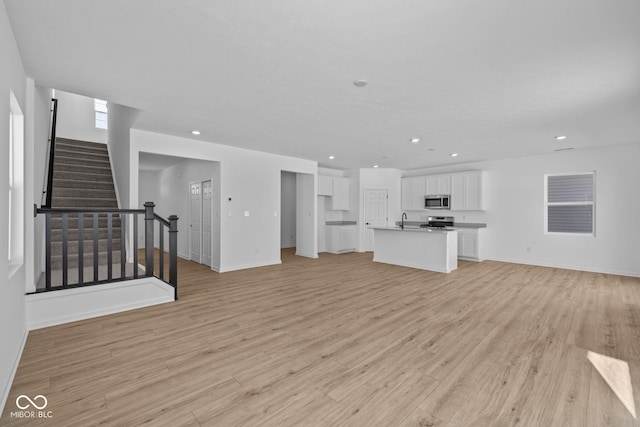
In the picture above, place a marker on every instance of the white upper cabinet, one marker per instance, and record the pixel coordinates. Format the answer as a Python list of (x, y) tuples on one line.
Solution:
[(413, 192), (325, 185), (466, 191), (438, 184), (340, 196)]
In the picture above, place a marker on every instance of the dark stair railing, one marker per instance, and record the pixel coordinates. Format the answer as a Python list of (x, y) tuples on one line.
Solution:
[(115, 219), (51, 147)]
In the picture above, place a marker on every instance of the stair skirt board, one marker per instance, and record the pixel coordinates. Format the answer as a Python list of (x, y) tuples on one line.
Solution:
[(70, 305)]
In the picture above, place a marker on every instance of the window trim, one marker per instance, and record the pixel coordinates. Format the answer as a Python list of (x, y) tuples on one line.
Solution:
[(582, 203), (16, 187)]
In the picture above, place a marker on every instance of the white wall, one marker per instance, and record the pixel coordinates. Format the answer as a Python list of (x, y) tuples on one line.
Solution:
[(514, 192), (77, 119), (121, 119), (148, 183), (250, 179), (13, 329), (288, 210), (306, 221), (42, 106)]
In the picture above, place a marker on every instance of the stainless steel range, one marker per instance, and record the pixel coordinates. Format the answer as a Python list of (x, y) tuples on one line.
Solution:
[(438, 222)]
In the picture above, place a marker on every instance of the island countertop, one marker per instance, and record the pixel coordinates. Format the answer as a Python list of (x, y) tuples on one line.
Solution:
[(414, 228)]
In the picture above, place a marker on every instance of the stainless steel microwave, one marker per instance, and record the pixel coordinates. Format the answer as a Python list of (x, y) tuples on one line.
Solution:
[(438, 201)]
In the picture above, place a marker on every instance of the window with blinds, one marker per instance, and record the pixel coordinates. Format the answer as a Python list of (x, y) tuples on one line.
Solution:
[(570, 203), (102, 114)]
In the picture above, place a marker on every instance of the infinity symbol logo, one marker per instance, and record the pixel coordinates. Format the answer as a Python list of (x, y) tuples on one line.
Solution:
[(23, 397)]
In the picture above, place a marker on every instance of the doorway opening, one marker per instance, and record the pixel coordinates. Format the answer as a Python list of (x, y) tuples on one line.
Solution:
[(298, 214)]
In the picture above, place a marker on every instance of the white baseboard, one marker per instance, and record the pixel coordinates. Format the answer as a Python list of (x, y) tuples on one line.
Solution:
[(14, 368), (70, 305), (308, 255), (246, 266), (566, 267)]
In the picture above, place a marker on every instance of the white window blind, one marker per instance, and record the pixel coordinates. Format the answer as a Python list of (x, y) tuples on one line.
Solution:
[(570, 203)]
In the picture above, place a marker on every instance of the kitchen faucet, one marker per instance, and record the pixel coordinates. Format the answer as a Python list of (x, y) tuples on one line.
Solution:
[(404, 216)]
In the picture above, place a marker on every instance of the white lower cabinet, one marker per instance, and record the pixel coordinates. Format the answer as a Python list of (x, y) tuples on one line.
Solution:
[(341, 238), (470, 244)]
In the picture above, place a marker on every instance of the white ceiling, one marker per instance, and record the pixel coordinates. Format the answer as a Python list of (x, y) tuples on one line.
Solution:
[(486, 79)]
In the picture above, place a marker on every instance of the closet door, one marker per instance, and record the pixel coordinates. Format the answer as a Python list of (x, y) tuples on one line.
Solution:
[(207, 222), (195, 229)]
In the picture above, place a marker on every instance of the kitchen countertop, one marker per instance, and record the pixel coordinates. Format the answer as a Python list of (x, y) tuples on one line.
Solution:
[(415, 229), (340, 223), (455, 225), (469, 225)]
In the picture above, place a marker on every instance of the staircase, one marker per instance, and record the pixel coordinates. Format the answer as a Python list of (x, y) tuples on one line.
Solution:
[(82, 179)]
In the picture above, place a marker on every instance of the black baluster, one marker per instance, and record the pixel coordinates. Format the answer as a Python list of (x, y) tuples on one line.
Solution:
[(65, 252), (149, 219), (161, 232), (95, 247), (173, 253), (135, 245), (109, 247), (123, 254), (80, 248), (48, 250)]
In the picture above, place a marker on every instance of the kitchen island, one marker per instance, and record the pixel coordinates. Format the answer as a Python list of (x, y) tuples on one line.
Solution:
[(426, 249)]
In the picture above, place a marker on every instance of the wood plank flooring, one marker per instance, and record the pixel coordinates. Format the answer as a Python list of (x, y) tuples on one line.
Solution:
[(343, 341)]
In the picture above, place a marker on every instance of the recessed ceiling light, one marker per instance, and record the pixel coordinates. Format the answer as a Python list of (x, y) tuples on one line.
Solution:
[(561, 137), (414, 140), (332, 157), (360, 83), (454, 154), (375, 166), (195, 132)]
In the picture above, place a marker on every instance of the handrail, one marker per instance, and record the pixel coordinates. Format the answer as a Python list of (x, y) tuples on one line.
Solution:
[(162, 220), (88, 210), (51, 147), (91, 231)]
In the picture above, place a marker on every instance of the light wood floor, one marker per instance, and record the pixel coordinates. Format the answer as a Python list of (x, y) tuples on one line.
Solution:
[(345, 341)]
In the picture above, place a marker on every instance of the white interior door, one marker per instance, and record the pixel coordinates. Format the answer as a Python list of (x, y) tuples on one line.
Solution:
[(207, 224), (195, 215), (376, 213)]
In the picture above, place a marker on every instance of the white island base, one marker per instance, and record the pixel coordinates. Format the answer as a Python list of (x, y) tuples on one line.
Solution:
[(433, 250)]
